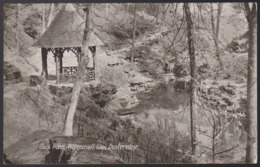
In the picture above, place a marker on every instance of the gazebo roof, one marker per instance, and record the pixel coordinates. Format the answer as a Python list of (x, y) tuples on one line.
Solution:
[(66, 30)]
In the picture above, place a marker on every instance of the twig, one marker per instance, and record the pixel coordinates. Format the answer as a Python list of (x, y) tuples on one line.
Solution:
[(204, 146), (206, 135), (227, 150)]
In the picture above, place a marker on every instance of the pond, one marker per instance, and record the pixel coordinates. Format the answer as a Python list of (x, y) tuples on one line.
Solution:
[(168, 111)]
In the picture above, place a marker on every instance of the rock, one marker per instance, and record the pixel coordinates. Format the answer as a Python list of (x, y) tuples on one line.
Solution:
[(13, 75), (132, 84), (109, 89), (60, 91), (112, 65), (27, 150), (123, 102), (5, 160), (102, 94), (53, 89), (182, 85), (35, 80), (11, 72), (203, 68)]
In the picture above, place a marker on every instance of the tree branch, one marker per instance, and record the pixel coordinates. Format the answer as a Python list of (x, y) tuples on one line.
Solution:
[(204, 146), (226, 150)]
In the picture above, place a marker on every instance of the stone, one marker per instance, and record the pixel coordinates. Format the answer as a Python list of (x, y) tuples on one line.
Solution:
[(13, 75), (102, 93), (53, 89), (109, 89), (11, 72), (123, 102), (35, 80)]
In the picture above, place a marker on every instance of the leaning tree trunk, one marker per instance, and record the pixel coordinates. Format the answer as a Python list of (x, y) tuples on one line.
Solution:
[(193, 75), (251, 150), (68, 128)]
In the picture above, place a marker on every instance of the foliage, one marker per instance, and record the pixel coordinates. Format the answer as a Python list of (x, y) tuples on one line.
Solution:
[(125, 31)]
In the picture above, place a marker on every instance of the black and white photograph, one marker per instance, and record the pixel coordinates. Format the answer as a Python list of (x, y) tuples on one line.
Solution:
[(130, 83)]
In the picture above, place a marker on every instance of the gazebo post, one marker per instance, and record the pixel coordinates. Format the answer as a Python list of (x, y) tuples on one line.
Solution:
[(61, 65), (44, 63), (57, 60), (79, 55)]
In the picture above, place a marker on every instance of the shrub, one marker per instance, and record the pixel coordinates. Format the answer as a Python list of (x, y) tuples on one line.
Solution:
[(180, 70)]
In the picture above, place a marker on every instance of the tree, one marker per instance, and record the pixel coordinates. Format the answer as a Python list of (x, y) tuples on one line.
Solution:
[(219, 120), (215, 30), (68, 128), (144, 10), (127, 8), (163, 15), (193, 74), (43, 19), (50, 15), (133, 39), (251, 149), (107, 12), (17, 28)]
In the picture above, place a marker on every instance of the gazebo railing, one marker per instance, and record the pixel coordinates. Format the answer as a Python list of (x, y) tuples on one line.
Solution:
[(71, 72)]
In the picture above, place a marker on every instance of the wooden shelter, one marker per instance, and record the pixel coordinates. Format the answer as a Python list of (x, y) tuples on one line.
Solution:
[(65, 33)]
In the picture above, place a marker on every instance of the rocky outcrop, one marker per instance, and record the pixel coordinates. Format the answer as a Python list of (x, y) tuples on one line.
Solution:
[(60, 91), (102, 93)]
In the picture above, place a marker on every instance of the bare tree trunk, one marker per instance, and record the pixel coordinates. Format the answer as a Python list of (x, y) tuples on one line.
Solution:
[(133, 40), (68, 128), (162, 18), (43, 19), (17, 28), (193, 74), (213, 140), (159, 11), (220, 5), (106, 11), (50, 15), (216, 31), (144, 10), (164, 11), (251, 150), (126, 14)]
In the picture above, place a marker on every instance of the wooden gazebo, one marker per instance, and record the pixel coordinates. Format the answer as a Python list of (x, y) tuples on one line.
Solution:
[(65, 33)]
